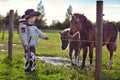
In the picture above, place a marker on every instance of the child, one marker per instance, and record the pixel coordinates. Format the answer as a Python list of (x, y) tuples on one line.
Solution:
[(29, 34)]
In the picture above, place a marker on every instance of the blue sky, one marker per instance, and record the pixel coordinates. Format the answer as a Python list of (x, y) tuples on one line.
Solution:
[(56, 9)]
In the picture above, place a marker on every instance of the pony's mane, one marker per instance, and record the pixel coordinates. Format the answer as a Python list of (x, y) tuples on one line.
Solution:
[(65, 30), (85, 21)]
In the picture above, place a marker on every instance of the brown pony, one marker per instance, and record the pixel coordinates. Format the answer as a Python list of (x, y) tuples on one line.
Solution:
[(87, 32), (73, 41)]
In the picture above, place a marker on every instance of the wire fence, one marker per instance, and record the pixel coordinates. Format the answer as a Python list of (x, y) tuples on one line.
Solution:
[(87, 41), (58, 31)]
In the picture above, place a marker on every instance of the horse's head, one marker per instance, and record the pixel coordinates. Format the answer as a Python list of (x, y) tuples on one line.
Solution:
[(64, 38), (76, 23)]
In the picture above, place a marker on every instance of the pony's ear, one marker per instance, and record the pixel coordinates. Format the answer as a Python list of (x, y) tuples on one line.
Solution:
[(83, 14), (59, 32)]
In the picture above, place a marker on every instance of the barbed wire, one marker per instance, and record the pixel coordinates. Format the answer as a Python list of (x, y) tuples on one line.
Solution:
[(87, 41), (76, 41), (81, 41)]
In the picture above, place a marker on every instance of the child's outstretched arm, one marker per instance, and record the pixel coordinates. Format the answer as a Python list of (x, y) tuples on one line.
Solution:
[(42, 35)]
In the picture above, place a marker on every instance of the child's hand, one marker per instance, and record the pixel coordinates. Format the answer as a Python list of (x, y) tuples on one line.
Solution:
[(46, 38), (26, 47)]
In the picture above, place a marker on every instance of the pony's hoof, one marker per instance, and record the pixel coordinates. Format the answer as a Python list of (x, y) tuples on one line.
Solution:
[(91, 66), (74, 64), (82, 68)]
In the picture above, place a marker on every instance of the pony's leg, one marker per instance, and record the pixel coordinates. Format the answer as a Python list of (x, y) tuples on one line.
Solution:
[(91, 56), (109, 47), (76, 56), (84, 56), (79, 56), (70, 55)]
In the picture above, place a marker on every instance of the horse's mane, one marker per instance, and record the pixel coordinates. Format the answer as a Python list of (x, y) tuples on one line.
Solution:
[(65, 30), (84, 20)]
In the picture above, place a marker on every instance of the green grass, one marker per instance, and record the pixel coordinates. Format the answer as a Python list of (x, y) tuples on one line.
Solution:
[(14, 69)]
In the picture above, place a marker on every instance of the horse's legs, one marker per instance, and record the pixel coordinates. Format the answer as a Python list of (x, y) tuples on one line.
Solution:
[(109, 47), (77, 56), (91, 56), (84, 56), (70, 55)]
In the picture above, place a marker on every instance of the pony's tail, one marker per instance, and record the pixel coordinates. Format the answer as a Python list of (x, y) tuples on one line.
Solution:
[(116, 42), (115, 46)]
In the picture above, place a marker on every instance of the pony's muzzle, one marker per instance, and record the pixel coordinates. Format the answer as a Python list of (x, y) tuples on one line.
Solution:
[(63, 48)]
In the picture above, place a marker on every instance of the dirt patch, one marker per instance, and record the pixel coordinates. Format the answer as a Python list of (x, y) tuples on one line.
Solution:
[(3, 50), (57, 60)]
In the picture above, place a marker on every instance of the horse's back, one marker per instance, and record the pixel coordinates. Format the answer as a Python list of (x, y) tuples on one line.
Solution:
[(110, 32), (110, 26)]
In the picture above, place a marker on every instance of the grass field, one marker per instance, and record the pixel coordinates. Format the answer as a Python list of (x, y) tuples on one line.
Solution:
[(14, 69)]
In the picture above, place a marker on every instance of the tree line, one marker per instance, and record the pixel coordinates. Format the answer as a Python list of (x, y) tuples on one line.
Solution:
[(40, 21)]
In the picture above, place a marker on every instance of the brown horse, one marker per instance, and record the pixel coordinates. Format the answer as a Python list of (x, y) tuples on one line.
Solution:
[(87, 31), (74, 43)]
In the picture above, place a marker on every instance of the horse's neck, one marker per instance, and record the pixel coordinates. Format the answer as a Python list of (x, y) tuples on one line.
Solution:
[(86, 30)]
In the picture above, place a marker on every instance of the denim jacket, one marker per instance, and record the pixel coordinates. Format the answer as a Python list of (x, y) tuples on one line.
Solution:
[(29, 34)]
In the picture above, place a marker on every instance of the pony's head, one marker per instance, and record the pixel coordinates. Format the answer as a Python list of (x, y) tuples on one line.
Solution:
[(64, 38), (76, 23)]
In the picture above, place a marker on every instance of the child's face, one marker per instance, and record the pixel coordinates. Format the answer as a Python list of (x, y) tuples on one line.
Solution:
[(33, 18)]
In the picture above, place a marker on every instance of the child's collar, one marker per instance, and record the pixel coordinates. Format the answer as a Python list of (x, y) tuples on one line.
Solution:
[(29, 24)]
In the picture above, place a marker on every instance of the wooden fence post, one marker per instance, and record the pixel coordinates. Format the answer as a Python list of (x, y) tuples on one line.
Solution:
[(11, 23), (99, 36)]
